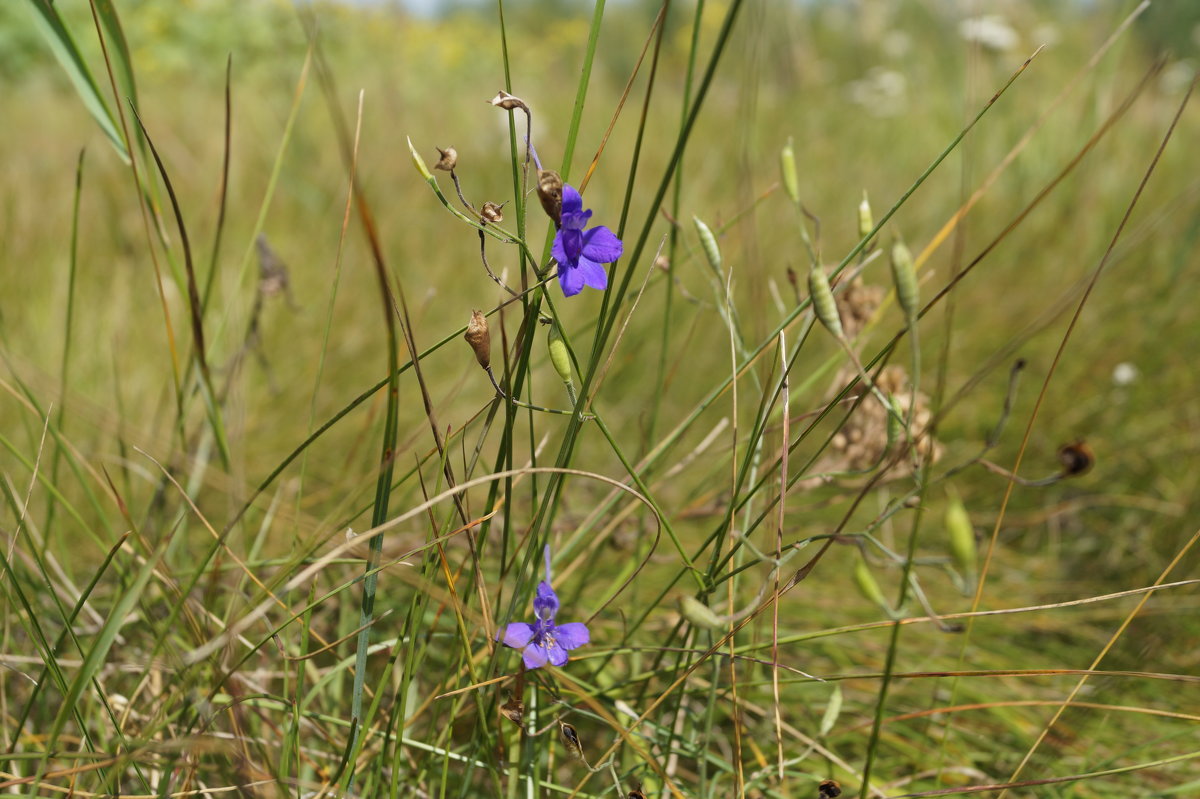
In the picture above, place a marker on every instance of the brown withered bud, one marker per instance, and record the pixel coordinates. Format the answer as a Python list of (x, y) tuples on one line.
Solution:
[(550, 189), (1076, 458), (491, 212), (571, 740), (448, 159), (480, 338), (829, 789), (508, 102)]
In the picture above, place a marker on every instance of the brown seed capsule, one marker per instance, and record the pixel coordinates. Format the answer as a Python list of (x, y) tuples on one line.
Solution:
[(1076, 458), (829, 789), (480, 338), (448, 159), (513, 710), (550, 189), (508, 102), (571, 740), (491, 212)]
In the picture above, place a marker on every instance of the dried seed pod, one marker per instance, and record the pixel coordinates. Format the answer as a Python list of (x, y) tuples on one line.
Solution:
[(787, 169), (550, 189), (570, 740), (866, 222), (508, 102), (905, 276), (491, 212), (1076, 458), (448, 159), (962, 539), (823, 302), (829, 789), (480, 338), (708, 242), (513, 710), (699, 614)]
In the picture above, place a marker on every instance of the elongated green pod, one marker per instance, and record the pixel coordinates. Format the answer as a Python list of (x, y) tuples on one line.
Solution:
[(559, 357), (708, 242), (419, 162), (832, 711), (823, 302), (868, 587), (699, 614), (895, 428), (787, 170), (866, 222), (962, 539), (905, 276)]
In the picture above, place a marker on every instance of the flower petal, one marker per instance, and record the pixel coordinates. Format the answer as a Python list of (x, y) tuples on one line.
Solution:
[(535, 656), (572, 635), (592, 274), (517, 635), (570, 278), (602, 245), (545, 602), (557, 655), (558, 250), (572, 201)]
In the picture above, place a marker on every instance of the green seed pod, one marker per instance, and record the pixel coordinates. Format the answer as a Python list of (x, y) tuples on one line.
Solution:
[(895, 428), (709, 242), (822, 300), (867, 585), (559, 357), (787, 168), (905, 276), (699, 614), (419, 162), (962, 539), (866, 222)]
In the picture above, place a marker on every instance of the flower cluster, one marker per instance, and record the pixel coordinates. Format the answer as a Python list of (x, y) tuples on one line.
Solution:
[(581, 254), (544, 641)]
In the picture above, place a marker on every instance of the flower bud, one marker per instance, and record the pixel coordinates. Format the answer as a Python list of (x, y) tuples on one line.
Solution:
[(550, 189), (823, 302), (491, 212), (866, 223), (508, 102), (448, 159), (480, 338), (419, 162), (559, 357), (962, 539), (787, 168), (867, 585), (905, 276), (708, 242), (699, 614)]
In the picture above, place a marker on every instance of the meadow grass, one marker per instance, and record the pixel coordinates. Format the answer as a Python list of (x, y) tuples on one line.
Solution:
[(266, 515)]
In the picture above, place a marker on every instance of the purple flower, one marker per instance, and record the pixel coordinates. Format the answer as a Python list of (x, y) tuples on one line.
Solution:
[(581, 254), (544, 641)]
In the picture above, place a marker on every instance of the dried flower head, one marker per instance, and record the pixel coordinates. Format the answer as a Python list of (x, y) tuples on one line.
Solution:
[(491, 212), (550, 193), (508, 102), (448, 159), (480, 338), (544, 641)]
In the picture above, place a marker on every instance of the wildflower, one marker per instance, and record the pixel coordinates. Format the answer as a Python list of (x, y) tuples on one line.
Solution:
[(544, 641), (581, 254)]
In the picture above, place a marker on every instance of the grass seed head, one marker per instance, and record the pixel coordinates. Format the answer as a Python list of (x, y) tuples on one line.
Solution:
[(708, 242)]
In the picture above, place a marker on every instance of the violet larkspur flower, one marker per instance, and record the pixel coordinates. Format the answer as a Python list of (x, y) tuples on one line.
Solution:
[(581, 254), (544, 641)]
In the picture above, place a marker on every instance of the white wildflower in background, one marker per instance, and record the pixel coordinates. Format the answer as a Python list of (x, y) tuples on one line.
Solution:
[(990, 32), (1124, 373), (883, 92), (1177, 76)]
